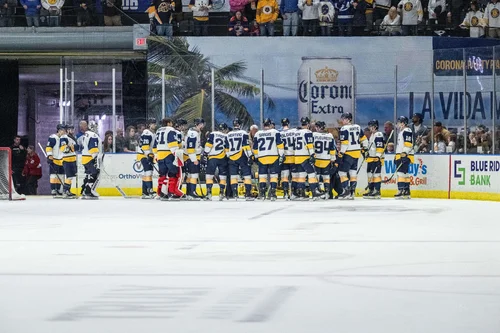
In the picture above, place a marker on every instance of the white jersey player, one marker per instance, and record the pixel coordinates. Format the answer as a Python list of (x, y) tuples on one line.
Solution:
[(288, 165), (352, 139), (325, 154), (193, 149), (68, 149), (404, 157), (215, 151), (91, 150), (268, 150), (374, 160), (238, 154), (304, 160), (55, 161), (147, 158)]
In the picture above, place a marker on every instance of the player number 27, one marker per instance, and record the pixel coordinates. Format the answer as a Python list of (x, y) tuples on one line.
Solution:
[(262, 142)]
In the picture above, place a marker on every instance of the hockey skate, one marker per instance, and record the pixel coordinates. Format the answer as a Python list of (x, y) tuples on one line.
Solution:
[(208, 197), (399, 195), (369, 194), (406, 194), (68, 195), (374, 195), (88, 195), (249, 197), (192, 197), (272, 194), (318, 195), (56, 194), (345, 195)]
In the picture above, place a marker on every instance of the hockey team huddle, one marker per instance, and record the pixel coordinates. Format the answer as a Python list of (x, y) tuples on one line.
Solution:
[(304, 161)]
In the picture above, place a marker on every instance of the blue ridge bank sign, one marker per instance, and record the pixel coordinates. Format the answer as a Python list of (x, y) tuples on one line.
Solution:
[(476, 174)]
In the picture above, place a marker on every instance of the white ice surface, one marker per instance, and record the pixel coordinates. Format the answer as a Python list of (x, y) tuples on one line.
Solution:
[(115, 265)]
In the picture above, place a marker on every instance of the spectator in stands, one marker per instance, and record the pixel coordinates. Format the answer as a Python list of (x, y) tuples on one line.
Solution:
[(474, 21), (419, 130), (390, 148), (7, 12), (237, 5), (238, 25), (32, 171), (359, 18), (119, 140), (111, 12), (391, 25), (326, 12), (83, 10), (370, 5), (32, 12), (164, 11), (345, 16), (253, 130), (51, 13), (437, 12), (131, 141), (267, 14), (108, 143), (18, 158), (452, 145), (367, 132), (439, 144), (492, 18), (200, 10), (381, 9), (254, 29), (424, 146), (438, 128), (455, 9), (290, 13), (388, 128), (411, 13), (140, 129)]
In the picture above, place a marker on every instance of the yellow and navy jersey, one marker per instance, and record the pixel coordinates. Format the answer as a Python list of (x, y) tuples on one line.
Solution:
[(288, 138), (405, 142), (376, 145), (268, 146), (192, 143), (303, 144), (324, 149), (91, 146), (351, 140), (216, 145), (237, 144), (167, 142), (146, 144), (53, 149), (68, 147)]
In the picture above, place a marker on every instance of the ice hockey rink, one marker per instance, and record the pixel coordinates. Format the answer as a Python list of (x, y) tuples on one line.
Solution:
[(117, 265)]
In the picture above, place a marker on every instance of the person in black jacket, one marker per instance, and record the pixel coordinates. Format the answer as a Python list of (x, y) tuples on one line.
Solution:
[(83, 10), (18, 159)]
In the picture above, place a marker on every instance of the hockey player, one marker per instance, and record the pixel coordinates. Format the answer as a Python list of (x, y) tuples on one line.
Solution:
[(404, 156), (91, 149), (325, 154), (304, 160), (238, 154), (351, 140), (374, 160), (215, 150), (55, 161), (288, 165), (147, 158), (269, 151), (68, 150), (170, 161), (193, 148)]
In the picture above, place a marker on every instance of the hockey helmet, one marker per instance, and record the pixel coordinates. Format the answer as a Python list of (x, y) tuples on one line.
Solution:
[(236, 123), (403, 120), (60, 127), (321, 125), (150, 121), (305, 121), (223, 127), (346, 115), (285, 122), (198, 121), (69, 126), (373, 123), (181, 122), (268, 122)]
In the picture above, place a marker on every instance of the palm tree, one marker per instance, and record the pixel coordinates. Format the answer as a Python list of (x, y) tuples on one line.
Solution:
[(188, 83)]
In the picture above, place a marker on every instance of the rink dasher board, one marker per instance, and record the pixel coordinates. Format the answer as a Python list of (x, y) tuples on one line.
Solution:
[(432, 176)]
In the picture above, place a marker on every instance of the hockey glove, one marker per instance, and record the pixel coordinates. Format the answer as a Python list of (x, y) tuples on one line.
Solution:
[(376, 159), (151, 158), (251, 160), (339, 157), (282, 159), (50, 160), (364, 152), (312, 159)]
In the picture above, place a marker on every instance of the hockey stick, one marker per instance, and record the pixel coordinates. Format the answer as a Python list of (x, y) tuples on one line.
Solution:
[(45, 154), (382, 156), (392, 176)]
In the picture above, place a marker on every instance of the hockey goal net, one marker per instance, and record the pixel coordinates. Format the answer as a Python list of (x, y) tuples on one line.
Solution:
[(7, 191)]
